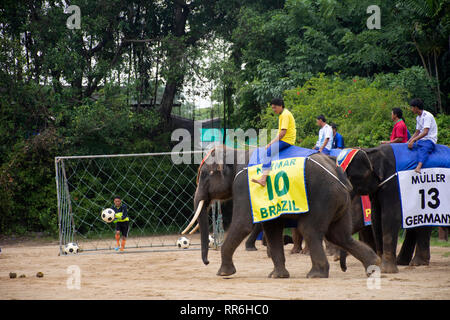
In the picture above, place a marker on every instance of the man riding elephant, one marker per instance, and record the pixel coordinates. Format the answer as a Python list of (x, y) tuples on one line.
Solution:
[(284, 139)]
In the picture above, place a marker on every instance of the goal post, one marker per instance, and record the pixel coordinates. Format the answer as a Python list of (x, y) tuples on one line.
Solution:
[(158, 193)]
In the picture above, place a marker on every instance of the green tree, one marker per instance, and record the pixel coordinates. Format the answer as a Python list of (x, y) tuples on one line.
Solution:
[(430, 29)]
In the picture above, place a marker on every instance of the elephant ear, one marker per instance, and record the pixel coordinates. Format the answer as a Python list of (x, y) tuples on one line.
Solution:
[(378, 160)]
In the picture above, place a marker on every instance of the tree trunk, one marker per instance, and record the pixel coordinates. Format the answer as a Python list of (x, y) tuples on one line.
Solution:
[(175, 63), (439, 101), (167, 102)]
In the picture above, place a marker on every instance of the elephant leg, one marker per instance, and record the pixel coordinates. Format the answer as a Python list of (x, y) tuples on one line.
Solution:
[(305, 249), (250, 243), (366, 236), (339, 234), (297, 238), (407, 250), (267, 246), (376, 228), (320, 266), (274, 234), (422, 255), (238, 230), (390, 225)]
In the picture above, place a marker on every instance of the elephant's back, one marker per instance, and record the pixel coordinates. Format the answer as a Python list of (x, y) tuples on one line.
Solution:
[(325, 180)]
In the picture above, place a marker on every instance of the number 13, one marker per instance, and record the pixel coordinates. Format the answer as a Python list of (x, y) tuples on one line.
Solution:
[(435, 193)]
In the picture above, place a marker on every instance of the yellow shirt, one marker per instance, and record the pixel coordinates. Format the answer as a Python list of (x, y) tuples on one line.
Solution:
[(286, 121)]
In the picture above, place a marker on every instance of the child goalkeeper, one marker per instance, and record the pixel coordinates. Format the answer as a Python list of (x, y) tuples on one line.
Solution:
[(121, 221)]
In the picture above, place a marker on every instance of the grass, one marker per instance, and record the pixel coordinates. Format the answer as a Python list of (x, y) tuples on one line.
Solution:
[(434, 242)]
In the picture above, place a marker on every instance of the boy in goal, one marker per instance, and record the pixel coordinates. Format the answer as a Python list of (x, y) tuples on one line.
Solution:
[(122, 222)]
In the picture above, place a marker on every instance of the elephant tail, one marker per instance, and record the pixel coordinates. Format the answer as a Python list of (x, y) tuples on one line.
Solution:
[(343, 260)]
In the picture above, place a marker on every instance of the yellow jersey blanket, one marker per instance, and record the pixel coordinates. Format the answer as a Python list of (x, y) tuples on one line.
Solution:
[(285, 190)]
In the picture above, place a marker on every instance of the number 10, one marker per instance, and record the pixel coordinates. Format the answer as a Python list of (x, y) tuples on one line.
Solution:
[(279, 191)]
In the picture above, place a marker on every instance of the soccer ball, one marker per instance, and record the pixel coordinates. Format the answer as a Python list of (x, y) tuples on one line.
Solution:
[(211, 241), (108, 215), (71, 248), (183, 243)]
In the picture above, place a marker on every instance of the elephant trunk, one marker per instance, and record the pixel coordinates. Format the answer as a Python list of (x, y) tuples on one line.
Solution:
[(198, 208), (203, 222), (201, 215)]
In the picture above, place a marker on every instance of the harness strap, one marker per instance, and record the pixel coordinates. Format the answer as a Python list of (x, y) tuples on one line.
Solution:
[(329, 172), (372, 169), (203, 161), (240, 171), (382, 183), (345, 163)]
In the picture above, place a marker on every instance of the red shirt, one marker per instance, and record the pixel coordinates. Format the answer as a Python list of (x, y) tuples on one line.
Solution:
[(399, 131)]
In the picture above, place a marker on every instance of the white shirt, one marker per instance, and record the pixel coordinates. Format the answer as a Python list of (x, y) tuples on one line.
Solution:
[(426, 120), (325, 132)]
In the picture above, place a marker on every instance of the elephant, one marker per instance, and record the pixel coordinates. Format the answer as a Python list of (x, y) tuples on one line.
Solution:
[(328, 216), (371, 172)]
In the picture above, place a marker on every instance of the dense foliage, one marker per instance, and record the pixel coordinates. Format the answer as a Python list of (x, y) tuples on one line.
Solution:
[(360, 108)]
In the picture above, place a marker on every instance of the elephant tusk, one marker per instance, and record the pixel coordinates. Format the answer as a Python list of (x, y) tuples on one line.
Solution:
[(195, 229), (197, 213)]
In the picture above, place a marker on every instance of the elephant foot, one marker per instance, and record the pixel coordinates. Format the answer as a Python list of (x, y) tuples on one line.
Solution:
[(388, 267), (295, 250), (251, 249), (283, 273), (226, 270), (417, 261), (305, 251), (317, 274)]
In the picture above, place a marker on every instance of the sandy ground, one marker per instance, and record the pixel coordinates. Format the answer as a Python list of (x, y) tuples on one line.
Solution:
[(180, 274)]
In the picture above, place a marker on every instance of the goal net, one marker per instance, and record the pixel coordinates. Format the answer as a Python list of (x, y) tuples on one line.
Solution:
[(158, 193)]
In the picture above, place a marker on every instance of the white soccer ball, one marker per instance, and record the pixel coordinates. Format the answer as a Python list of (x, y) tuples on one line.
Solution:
[(71, 248), (108, 215), (211, 241), (183, 243)]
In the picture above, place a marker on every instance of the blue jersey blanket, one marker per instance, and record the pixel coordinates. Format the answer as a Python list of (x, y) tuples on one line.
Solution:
[(425, 197), (291, 152), (285, 190)]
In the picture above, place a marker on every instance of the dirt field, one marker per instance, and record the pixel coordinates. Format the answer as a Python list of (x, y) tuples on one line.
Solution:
[(182, 275)]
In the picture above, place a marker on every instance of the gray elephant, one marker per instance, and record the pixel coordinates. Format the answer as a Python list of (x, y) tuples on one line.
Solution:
[(371, 172), (328, 216)]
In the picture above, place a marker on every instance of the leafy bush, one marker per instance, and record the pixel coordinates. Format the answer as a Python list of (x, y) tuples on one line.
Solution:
[(414, 81), (443, 124)]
